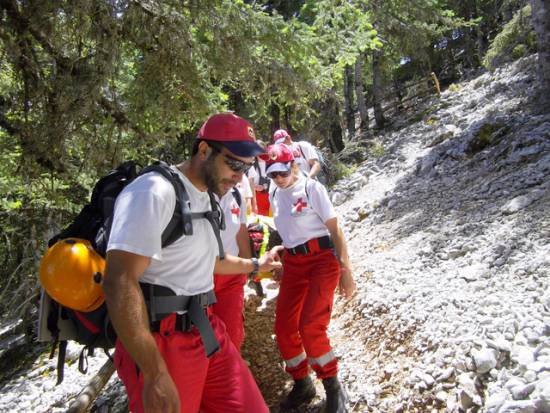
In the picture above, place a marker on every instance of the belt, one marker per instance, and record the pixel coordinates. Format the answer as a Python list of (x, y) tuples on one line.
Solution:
[(162, 301), (313, 246)]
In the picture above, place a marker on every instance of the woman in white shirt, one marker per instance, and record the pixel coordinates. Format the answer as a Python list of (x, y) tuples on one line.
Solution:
[(315, 263)]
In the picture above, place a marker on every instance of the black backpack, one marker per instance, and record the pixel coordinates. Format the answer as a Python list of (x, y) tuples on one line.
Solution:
[(58, 323), (262, 179)]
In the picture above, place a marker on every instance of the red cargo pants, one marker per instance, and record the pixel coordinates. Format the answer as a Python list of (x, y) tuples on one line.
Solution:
[(229, 305), (262, 203), (304, 307), (221, 383)]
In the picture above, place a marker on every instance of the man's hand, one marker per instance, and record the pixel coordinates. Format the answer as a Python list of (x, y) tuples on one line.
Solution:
[(346, 285), (271, 260), (160, 394)]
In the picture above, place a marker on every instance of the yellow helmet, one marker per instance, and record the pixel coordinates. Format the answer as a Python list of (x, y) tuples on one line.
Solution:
[(71, 273)]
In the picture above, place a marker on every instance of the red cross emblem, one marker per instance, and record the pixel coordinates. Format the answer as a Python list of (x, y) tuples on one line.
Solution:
[(299, 205), (235, 211)]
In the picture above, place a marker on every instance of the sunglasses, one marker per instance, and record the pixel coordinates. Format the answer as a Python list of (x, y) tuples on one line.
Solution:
[(282, 174), (236, 165)]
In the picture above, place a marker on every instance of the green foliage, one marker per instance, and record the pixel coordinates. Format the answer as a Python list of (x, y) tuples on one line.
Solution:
[(514, 40), (486, 135), (341, 170), (519, 51), (453, 87), (376, 149)]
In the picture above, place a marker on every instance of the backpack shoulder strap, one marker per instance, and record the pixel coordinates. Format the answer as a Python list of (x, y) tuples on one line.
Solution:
[(181, 222), (237, 195), (257, 166), (217, 220), (302, 151), (306, 190)]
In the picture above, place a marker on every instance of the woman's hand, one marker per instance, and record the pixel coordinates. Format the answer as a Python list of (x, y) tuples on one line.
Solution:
[(277, 275), (346, 285)]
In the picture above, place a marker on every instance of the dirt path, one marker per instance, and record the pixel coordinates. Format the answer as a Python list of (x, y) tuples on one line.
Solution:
[(260, 351)]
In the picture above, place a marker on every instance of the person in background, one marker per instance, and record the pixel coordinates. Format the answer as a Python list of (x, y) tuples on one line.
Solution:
[(248, 195), (304, 153), (172, 354), (315, 263), (229, 289), (260, 183)]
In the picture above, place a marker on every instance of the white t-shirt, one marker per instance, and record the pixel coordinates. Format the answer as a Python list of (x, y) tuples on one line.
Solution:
[(303, 157), (244, 187), (300, 217), (142, 211), (253, 172), (235, 216)]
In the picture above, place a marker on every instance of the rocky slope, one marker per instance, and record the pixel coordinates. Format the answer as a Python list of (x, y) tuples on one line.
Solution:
[(449, 236), (449, 233)]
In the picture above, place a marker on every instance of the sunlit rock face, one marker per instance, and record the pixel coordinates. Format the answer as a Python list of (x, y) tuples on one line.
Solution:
[(449, 233)]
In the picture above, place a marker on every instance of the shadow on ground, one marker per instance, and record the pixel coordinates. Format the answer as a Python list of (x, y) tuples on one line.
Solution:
[(260, 351)]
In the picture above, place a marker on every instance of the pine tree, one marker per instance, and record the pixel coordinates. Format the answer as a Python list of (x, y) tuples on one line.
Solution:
[(540, 10)]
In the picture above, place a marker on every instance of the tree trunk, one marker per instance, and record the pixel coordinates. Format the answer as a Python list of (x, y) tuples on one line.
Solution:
[(90, 392), (398, 89), (288, 120), (360, 94), (541, 24), (236, 102), (377, 92), (335, 140), (469, 40), (275, 118), (348, 101), (482, 39)]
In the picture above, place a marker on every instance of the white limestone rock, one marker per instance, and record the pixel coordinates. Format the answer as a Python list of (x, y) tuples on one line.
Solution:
[(485, 359)]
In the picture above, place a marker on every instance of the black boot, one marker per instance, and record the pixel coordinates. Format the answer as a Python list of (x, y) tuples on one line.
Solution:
[(302, 392), (257, 287), (336, 396)]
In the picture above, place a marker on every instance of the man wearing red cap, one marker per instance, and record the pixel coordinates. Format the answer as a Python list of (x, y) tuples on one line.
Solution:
[(304, 153), (172, 353)]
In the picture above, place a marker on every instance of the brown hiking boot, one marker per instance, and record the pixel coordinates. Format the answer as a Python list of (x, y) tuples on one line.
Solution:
[(302, 392)]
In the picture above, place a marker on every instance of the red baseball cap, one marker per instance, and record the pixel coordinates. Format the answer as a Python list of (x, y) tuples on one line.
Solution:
[(280, 135), (279, 158), (233, 132)]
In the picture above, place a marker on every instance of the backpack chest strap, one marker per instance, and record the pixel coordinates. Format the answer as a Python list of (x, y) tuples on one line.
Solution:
[(178, 303)]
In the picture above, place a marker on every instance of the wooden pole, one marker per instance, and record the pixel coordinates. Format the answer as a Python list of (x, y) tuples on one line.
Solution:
[(436, 83), (89, 393)]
